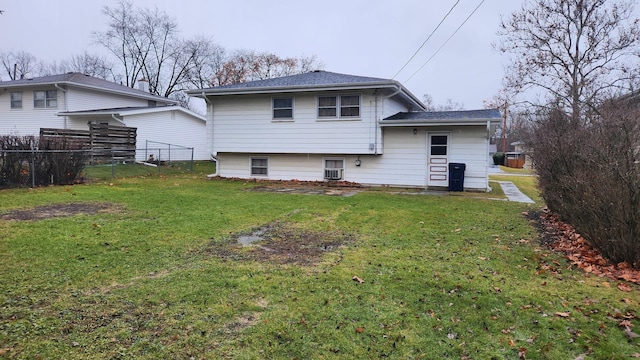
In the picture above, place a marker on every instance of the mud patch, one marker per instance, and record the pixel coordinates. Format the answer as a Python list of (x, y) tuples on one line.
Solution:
[(281, 243), (60, 210), (331, 188)]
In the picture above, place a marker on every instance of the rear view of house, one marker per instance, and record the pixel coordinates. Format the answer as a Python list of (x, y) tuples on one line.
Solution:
[(335, 127)]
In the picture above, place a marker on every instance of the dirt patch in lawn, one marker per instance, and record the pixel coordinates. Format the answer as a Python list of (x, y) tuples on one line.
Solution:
[(281, 243), (61, 210), (331, 188)]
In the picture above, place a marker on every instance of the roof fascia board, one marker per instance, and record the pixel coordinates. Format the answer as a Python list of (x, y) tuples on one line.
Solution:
[(97, 88), (293, 89), (430, 123)]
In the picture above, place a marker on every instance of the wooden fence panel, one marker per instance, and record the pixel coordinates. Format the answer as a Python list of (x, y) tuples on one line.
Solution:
[(103, 140)]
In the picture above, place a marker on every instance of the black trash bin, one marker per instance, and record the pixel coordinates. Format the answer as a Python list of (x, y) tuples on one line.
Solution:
[(456, 176)]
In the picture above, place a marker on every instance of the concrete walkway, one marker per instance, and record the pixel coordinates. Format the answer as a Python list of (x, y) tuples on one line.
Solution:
[(513, 193)]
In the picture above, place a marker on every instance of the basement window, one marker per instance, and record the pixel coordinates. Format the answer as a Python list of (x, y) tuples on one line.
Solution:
[(259, 166)]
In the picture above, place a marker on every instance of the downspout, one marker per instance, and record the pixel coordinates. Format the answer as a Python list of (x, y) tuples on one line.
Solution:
[(210, 118), (113, 116), (398, 89), (66, 103), (488, 148)]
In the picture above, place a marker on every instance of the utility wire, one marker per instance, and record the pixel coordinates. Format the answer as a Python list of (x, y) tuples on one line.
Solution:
[(445, 43), (429, 37)]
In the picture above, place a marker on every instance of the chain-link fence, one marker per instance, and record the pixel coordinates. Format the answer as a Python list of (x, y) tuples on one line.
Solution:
[(31, 168)]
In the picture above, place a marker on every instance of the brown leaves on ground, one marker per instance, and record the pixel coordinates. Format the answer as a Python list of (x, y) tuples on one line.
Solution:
[(562, 237)]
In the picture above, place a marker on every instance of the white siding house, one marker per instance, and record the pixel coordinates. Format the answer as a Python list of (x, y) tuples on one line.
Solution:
[(72, 100), (323, 126)]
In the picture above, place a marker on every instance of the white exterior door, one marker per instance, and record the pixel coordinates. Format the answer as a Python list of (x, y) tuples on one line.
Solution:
[(438, 158)]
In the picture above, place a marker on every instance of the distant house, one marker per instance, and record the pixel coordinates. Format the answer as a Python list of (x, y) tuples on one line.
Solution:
[(72, 100), (328, 126)]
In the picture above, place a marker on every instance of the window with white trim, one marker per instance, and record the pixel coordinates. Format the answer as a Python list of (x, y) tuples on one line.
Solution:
[(282, 108), (348, 105), (16, 100), (334, 169), (259, 166), (45, 99)]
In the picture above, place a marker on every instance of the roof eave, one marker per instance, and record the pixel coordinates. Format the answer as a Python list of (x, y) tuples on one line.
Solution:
[(202, 93), (431, 123), (97, 88)]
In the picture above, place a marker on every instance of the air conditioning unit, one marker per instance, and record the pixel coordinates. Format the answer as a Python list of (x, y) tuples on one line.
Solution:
[(333, 174)]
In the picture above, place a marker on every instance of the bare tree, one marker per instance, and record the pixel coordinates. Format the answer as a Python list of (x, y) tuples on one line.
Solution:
[(246, 65), (576, 52), (85, 63), (449, 105), (123, 41), (20, 65)]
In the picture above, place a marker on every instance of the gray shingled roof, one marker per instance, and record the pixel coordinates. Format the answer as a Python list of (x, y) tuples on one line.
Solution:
[(482, 114), (86, 81), (311, 81), (442, 117)]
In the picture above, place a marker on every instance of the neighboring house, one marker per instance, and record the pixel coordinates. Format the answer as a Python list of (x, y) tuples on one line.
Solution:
[(72, 100), (328, 126)]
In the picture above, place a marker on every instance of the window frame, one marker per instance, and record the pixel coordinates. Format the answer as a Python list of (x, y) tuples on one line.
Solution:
[(325, 168), (13, 102), (274, 108), (252, 166), (339, 107), (49, 97)]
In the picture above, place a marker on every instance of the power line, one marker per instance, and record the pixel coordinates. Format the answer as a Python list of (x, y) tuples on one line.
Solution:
[(445, 43), (429, 37)]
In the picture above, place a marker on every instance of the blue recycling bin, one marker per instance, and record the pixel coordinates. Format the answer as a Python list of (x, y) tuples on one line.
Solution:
[(456, 176)]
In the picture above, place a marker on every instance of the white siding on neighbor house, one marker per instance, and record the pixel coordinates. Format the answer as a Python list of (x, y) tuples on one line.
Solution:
[(80, 99), (169, 127), (404, 162), (244, 124), (28, 120)]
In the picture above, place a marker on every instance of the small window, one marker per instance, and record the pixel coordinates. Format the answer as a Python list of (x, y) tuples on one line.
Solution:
[(350, 106), (334, 169), (438, 145), (259, 166), (45, 99), (16, 100), (283, 108), (327, 106)]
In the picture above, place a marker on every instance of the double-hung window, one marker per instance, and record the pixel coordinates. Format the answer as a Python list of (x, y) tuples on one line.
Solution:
[(342, 106), (16, 100), (283, 108), (259, 166), (45, 99)]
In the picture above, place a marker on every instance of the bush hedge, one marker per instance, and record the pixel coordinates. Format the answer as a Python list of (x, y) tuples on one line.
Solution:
[(36, 161), (589, 173)]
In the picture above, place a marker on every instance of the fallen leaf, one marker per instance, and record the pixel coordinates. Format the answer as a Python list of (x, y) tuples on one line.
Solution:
[(457, 230), (359, 330), (630, 334), (355, 278), (624, 287), (625, 324), (562, 314)]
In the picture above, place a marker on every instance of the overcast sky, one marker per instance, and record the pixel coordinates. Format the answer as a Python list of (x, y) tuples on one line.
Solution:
[(359, 37)]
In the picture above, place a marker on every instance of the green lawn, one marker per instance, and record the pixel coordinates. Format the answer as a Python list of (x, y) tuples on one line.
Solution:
[(157, 274)]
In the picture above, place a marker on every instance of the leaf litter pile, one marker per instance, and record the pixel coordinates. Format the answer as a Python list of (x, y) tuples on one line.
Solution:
[(280, 243), (563, 238)]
